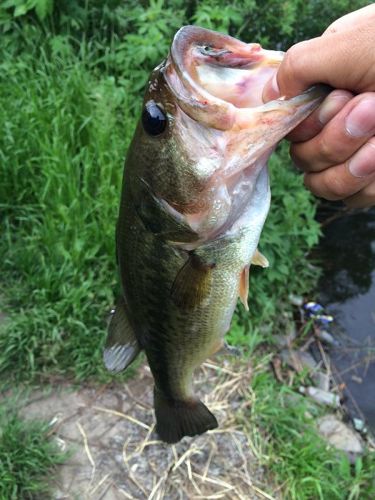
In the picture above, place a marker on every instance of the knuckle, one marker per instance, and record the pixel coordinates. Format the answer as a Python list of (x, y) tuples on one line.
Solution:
[(327, 150), (312, 184), (291, 61), (331, 29), (337, 187), (300, 154), (328, 185)]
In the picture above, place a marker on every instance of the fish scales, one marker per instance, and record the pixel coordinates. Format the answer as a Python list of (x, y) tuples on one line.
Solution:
[(194, 200), (176, 342)]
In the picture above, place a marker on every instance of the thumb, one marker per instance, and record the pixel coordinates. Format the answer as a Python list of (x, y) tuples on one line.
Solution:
[(342, 60)]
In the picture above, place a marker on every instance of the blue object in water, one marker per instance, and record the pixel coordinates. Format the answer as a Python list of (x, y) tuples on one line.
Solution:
[(324, 319), (313, 309)]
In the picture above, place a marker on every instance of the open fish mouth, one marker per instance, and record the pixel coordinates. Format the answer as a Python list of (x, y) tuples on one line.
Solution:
[(218, 80), (220, 122)]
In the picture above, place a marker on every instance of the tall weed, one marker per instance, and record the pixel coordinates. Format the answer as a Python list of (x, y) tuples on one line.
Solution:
[(71, 88), (65, 133)]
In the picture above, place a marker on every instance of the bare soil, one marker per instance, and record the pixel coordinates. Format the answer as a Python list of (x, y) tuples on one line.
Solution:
[(116, 454)]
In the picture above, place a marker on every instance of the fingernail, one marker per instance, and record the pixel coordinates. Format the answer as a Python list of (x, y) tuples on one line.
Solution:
[(331, 106), (363, 162), (360, 122), (271, 89)]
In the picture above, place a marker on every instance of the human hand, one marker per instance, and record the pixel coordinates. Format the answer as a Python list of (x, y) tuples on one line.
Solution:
[(335, 146)]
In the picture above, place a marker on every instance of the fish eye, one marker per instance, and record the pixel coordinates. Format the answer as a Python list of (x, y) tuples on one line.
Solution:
[(154, 120)]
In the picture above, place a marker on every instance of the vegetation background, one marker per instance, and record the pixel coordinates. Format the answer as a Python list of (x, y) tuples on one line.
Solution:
[(72, 74)]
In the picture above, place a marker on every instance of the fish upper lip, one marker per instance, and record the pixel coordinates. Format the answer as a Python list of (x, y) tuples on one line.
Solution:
[(230, 53), (181, 74)]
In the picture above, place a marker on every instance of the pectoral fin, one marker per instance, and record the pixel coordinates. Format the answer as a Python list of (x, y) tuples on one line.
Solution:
[(259, 259), (121, 347), (193, 282), (244, 287)]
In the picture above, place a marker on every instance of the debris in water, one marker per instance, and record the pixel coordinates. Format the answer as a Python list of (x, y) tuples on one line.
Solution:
[(296, 300), (316, 312), (326, 337), (359, 425), (298, 360), (313, 309), (320, 396), (322, 380)]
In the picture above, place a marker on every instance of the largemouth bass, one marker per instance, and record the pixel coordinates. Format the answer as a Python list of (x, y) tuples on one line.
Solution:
[(194, 200)]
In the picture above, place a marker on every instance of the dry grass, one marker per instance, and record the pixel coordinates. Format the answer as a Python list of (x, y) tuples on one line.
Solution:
[(215, 465), (118, 454)]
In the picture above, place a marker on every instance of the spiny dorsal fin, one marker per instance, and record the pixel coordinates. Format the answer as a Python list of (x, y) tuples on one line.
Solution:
[(121, 347), (243, 291), (259, 259), (193, 282)]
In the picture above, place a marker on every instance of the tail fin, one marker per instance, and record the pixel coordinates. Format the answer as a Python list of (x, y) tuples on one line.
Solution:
[(176, 419)]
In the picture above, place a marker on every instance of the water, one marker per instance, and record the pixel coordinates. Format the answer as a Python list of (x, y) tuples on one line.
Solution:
[(347, 289)]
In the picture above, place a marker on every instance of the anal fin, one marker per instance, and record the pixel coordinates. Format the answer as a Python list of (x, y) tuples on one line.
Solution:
[(243, 291), (121, 347)]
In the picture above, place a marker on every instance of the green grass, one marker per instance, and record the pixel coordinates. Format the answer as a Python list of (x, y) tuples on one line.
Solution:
[(282, 425), (67, 122), (62, 150), (28, 457), (71, 91)]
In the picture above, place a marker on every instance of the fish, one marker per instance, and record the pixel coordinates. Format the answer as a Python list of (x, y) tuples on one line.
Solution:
[(195, 197)]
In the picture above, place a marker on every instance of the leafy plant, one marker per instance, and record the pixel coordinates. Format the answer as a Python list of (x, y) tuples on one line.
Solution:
[(72, 76), (147, 43), (22, 7), (71, 92)]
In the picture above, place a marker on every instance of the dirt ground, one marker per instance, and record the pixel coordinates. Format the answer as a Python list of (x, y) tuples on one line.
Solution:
[(115, 453)]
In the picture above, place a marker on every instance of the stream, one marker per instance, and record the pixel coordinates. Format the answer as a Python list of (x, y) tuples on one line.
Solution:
[(347, 291)]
